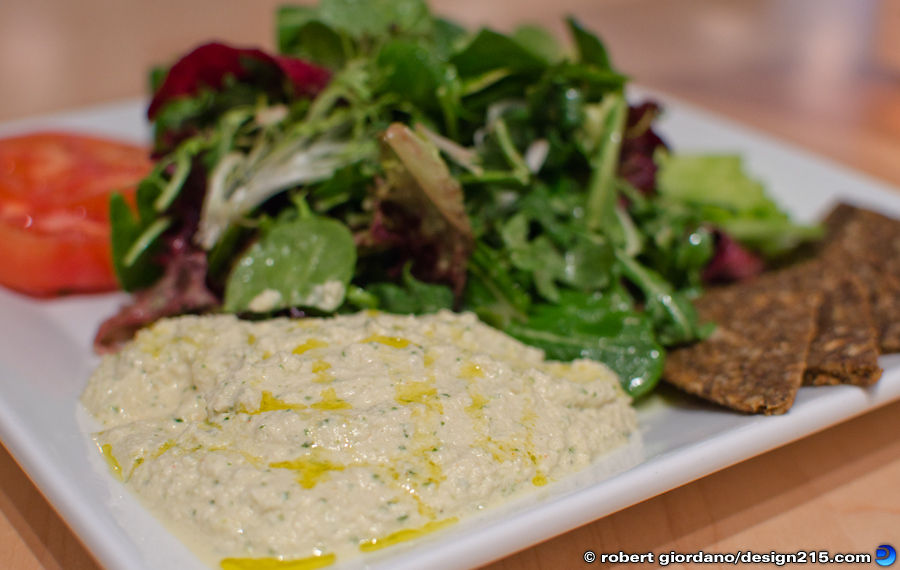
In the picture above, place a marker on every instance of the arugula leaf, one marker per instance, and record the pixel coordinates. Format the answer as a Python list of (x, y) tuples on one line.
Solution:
[(378, 18), (347, 184), (491, 51), (413, 72), (540, 42), (302, 35), (289, 21), (673, 316), (590, 49), (358, 20), (677, 243), (136, 240), (307, 262), (413, 297), (447, 37), (588, 263), (602, 327), (538, 256), (491, 292), (141, 269)]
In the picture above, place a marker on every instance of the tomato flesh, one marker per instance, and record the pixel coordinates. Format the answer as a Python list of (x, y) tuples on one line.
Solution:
[(54, 210)]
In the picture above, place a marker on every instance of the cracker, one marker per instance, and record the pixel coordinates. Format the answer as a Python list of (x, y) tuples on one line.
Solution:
[(755, 360), (821, 321), (844, 348), (867, 244)]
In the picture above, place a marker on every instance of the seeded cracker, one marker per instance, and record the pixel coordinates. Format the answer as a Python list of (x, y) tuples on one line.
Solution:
[(844, 348), (867, 244), (755, 360)]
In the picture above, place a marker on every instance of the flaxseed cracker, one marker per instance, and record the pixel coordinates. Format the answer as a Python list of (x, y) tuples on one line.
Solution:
[(755, 360), (820, 321), (844, 348), (866, 244)]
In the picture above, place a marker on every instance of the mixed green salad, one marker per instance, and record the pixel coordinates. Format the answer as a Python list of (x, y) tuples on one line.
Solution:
[(389, 159)]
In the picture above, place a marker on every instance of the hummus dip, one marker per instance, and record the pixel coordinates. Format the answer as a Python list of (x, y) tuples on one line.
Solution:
[(316, 439)]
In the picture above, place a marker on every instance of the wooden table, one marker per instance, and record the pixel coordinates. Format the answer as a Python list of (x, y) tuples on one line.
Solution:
[(802, 70)]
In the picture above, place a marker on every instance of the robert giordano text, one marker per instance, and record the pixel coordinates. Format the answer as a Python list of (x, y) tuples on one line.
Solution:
[(745, 557)]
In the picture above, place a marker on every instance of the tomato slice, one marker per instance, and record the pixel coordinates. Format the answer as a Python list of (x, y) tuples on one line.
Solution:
[(54, 210)]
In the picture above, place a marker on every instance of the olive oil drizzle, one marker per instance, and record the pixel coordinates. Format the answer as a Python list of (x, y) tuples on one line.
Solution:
[(309, 345), (469, 372), (392, 341), (330, 401), (111, 460), (405, 534), (311, 469), (321, 369), (269, 403), (500, 451), (425, 413), (311, 563), (529, 417)]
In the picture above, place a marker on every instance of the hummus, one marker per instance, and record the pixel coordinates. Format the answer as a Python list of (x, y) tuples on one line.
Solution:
[(320, 438)]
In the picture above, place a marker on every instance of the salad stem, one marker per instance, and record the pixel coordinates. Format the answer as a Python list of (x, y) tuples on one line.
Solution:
[(602, 188)]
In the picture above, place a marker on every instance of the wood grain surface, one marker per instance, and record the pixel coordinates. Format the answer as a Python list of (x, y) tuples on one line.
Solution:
[(806, 71)]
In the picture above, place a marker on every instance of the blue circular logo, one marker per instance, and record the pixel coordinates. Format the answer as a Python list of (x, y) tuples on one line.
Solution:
[(885, 555)]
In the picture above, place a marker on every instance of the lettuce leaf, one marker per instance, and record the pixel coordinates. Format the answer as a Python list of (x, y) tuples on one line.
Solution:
[(725, 195)]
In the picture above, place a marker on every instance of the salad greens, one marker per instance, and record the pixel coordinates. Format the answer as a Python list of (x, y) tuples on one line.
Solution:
[(390, 159)]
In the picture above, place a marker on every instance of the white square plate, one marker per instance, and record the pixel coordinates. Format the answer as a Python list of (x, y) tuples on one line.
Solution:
[(46, 358)]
